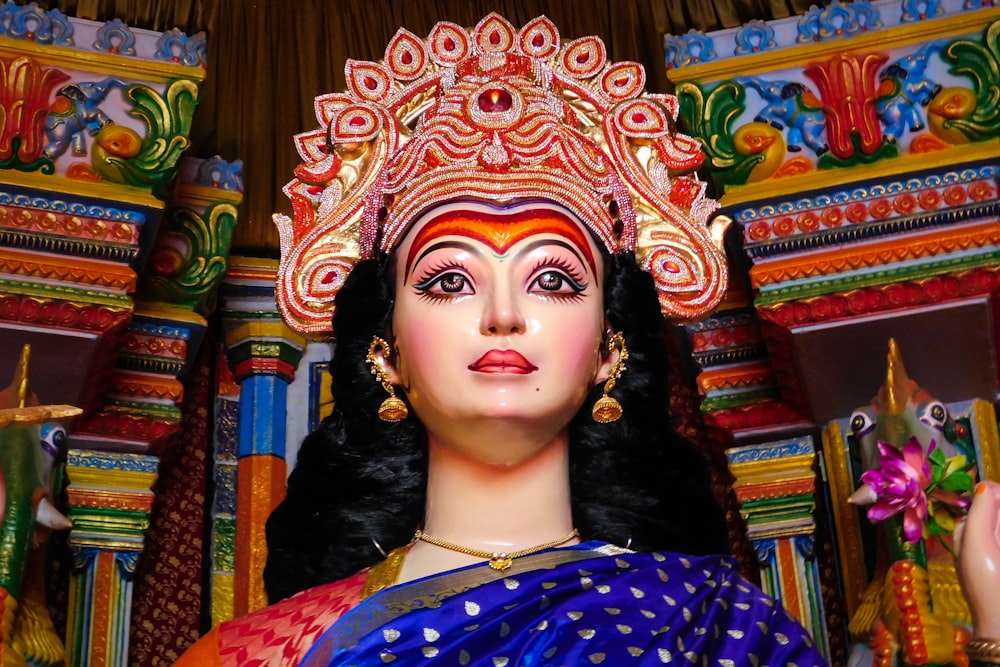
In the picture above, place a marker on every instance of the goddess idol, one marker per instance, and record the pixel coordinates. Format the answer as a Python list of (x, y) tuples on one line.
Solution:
[(494, 223)]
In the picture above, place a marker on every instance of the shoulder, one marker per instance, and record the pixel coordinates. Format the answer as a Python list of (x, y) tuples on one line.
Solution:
[(282, 633)]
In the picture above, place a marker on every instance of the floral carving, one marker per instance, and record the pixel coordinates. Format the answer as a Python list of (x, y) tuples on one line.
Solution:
[(26, 91)]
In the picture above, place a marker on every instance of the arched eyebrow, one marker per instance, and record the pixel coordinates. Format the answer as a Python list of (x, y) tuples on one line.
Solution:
[(440, 245), (571, 247), (500, 232)]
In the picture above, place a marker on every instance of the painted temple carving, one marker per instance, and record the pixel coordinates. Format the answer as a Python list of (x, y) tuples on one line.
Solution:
[(857, 148), (112, 247)]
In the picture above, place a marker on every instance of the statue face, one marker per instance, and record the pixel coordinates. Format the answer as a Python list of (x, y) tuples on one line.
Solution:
[(498, 323)]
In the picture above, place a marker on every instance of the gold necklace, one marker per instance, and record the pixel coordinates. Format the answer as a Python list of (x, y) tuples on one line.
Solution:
[(498, 561)]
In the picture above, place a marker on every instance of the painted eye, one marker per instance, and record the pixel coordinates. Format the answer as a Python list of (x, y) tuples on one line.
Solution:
[(452, 283), (556, 282), (861, 422), (935, 414), (550, 281)]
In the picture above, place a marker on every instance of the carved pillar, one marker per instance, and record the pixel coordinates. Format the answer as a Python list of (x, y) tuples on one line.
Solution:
[(776, 487), (263, 354), (109, 526)]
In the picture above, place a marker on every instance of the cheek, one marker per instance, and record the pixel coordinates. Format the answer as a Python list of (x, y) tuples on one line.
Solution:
[(575, 338), (426, 335)]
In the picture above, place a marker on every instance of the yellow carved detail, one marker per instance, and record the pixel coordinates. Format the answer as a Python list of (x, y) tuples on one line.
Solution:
[(782, 59), (984, 425), (112, 479), (105, 64), (222, 597), (67, 269), (168, 312), (839, 178), (98, 498), (852, 562), (783, 468), (275, 329), (846, 259), (114, 192), (907, 586), (252, 268)]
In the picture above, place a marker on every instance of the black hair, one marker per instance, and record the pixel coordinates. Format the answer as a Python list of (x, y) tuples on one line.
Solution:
[(359, 485)]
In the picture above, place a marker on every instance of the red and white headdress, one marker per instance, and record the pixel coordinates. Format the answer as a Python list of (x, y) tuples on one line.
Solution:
[(500, 115)]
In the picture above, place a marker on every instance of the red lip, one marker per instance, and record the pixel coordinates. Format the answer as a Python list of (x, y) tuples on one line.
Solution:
[(503, 361)]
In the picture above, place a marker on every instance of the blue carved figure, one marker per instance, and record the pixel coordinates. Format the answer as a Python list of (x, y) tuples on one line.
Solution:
[(903, 90), (809, 26), (217, 173), (918, 10), (75, 114), (784, 107)]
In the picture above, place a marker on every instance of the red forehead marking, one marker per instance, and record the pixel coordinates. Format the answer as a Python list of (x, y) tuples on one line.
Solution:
[(500, 232)]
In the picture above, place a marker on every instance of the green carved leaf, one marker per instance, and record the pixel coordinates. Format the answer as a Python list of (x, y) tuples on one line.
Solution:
[(191, 255), (168, 121), (710, 115), (980, 62)]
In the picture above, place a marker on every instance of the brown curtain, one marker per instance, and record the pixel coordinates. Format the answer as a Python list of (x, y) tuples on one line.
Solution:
[(268, 59)]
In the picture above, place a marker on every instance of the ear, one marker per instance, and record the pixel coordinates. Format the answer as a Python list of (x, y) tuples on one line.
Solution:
[(388, 363), (608, 359)]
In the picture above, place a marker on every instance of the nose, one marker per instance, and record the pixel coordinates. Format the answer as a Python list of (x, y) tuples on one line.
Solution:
[(502, 315)]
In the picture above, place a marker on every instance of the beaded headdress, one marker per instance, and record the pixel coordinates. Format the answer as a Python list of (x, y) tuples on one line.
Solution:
[(499, 115)]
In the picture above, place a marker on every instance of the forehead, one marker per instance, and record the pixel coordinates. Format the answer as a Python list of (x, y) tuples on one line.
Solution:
[(498, 229)]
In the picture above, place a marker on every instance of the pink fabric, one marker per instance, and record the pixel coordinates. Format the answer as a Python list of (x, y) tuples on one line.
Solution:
[(283, 633)]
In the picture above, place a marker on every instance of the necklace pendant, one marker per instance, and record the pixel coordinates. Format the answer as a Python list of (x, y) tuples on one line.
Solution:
[(501, 562)]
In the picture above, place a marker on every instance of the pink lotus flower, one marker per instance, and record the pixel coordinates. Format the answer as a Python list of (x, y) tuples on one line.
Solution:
[(910, 480), (900, 485)]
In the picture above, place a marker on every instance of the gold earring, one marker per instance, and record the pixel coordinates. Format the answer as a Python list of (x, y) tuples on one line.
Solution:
[(393, 409), (608, 409)]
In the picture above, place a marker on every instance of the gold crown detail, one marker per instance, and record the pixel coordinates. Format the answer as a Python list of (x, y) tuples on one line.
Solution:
[(500, 115)]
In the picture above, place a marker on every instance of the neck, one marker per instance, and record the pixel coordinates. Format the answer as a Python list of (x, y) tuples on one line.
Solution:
[(490, 507), (498, 507)]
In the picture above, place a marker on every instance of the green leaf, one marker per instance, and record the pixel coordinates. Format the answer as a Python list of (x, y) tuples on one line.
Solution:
[(937, 457), (957, 481)]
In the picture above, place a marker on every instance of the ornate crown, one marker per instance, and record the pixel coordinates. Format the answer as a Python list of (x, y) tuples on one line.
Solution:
[(499, 115)]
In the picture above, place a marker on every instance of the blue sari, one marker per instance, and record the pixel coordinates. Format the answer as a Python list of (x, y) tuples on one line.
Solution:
[(588, 604)]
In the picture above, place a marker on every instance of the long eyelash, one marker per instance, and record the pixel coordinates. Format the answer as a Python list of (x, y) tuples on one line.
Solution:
[(433, 298), (434, 272), (571, 272), (556, 296)]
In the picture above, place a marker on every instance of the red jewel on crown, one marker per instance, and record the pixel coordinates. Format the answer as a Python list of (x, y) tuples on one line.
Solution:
[(495, 100)]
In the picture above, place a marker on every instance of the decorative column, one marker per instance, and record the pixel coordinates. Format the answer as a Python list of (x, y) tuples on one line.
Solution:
[(263, 354), (776, 487), (110, 498)]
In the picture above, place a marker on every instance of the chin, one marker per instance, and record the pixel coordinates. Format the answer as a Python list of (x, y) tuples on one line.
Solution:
[(507, 439)]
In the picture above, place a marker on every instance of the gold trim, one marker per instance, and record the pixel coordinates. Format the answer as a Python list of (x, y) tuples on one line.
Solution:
[(984, 422), (818, 179), (125, 480), (191, 194), (243, 262), (782, 533), (801, 465), (169, 312), (431, 591), (37, 414), (784, 58), (852, 563), (268, 330), (60, 185), (105, 63), (100, 541), (385, 574)]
